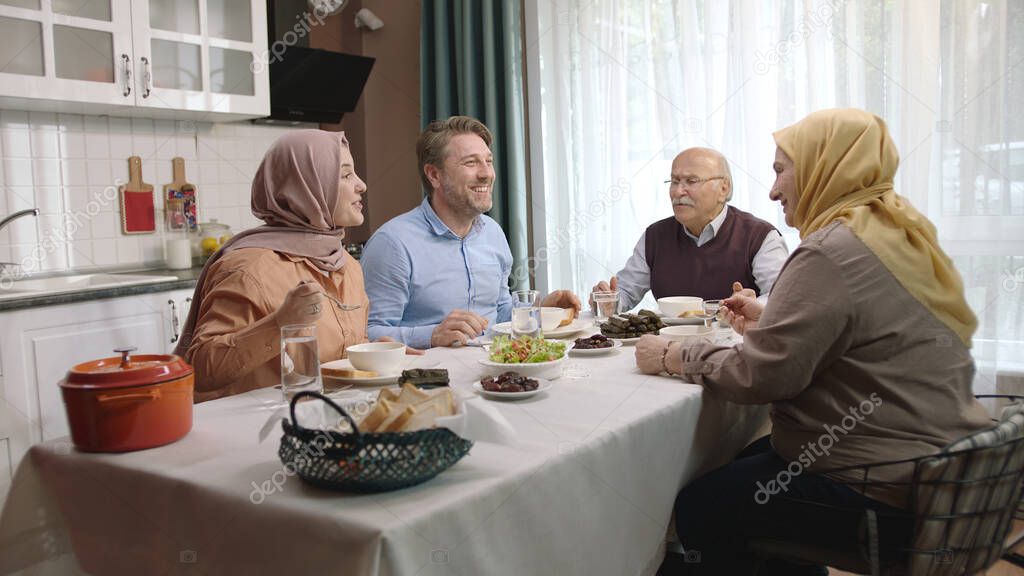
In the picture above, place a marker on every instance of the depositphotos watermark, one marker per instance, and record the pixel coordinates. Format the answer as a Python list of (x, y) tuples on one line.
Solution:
[(1013, 281), (812, 450), (572, 231), (358, 407), (305, 21), (278, 479), (57, 237), (820, 17)]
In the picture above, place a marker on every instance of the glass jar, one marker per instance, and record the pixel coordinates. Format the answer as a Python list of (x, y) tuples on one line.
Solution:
[(212, 235)]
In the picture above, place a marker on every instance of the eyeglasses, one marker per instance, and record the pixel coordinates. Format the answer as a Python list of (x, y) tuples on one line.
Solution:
[(691, 181)]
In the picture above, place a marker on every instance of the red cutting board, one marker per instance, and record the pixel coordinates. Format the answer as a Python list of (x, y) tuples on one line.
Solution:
[(137, 215)]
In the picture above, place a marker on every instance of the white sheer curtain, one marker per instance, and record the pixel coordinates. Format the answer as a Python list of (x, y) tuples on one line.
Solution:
[(621, 86)]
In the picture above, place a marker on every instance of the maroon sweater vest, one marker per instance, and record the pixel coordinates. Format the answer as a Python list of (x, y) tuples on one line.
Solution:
[(679, 268)]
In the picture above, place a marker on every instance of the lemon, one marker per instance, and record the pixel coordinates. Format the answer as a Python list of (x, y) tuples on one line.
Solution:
[(209, 245)]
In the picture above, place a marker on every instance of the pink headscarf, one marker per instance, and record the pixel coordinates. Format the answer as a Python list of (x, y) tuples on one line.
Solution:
[(294, 191)]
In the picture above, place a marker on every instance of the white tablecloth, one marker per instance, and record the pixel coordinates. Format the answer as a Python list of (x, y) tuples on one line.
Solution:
[(588, 490)]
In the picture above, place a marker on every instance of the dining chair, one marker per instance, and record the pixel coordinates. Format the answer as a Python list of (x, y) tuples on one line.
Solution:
[(962, 504)]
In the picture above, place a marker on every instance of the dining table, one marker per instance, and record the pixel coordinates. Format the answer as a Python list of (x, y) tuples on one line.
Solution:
[(586, 487)]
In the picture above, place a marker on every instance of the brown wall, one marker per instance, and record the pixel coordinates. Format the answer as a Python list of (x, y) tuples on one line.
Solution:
[(383, 129)]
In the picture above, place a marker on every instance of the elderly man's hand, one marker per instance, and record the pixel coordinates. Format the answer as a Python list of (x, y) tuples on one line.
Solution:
[(649, 352), (563, 299), (612, 285)]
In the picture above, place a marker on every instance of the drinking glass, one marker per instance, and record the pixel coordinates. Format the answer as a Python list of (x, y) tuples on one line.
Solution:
[(300, 360), (711, 308), (605, 304), (525, 314)]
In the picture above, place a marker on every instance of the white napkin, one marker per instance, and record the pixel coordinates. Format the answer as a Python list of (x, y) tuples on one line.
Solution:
[(474, 419)]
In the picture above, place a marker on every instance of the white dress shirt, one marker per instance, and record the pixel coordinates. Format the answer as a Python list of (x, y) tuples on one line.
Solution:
[(635, 279)]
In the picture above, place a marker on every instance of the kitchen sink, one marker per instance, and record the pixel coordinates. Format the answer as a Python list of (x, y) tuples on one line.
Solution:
[(75, 283)]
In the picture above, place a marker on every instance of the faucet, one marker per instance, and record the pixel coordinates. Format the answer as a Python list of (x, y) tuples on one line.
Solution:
[(8, 220), (16, 215)]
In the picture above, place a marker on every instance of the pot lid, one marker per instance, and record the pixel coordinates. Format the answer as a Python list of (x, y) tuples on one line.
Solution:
[(126, 370)]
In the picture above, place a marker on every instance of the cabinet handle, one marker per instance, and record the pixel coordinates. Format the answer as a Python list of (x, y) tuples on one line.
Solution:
[(175, 322), (147, 77), (126, 67)]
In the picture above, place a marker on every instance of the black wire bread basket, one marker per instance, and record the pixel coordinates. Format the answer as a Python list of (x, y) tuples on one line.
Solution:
[(366, 462)]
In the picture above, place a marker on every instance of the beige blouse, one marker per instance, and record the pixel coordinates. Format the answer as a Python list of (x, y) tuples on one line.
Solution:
[(236, 345), (856, 369)]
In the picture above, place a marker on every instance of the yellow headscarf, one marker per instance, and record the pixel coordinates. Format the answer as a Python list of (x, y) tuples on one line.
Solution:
[(845, 162)]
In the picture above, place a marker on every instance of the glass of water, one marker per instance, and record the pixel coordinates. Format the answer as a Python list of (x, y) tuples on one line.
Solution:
[(605, 304), (525, 314), (300, 360), (711, 308)]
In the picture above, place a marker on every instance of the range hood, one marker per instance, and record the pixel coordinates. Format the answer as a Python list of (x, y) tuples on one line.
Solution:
[(311, 85)]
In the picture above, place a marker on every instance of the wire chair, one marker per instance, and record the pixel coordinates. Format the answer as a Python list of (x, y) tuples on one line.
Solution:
[(961, 506)]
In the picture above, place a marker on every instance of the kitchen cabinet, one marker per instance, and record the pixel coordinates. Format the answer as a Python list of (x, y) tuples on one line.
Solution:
[(39, 345), (188, 59), (176, 307)]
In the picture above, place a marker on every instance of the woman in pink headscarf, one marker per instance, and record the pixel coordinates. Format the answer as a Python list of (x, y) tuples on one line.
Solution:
[(307, 192)]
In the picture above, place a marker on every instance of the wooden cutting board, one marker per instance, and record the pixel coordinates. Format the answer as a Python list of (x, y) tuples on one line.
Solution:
[(137, 215), (180, 189)]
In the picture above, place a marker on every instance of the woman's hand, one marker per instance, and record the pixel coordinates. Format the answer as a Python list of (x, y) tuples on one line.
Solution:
[(650, 350), (409, 350), (563, 299), (302, 305), (742, 309)]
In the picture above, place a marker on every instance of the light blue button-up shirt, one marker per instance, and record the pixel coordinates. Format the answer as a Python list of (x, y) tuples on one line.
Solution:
[(417, 271)]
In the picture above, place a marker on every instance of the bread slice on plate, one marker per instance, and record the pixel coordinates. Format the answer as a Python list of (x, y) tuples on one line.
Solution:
[(347, 373)]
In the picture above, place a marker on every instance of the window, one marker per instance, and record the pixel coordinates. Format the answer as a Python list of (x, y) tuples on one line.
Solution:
[(624, 85)]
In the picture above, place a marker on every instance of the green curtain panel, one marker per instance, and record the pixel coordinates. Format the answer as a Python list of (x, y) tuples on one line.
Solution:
[(471, 64)]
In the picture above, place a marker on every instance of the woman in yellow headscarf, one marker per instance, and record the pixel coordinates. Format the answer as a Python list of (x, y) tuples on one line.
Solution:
[(863, 350)]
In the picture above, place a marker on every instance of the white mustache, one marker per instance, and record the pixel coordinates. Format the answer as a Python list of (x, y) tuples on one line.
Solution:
[(684, 201)]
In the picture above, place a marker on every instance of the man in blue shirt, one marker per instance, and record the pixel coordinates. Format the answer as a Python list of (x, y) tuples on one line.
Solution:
[(438, 274)]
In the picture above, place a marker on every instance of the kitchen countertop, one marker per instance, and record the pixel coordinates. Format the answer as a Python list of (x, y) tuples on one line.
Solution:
[(176, 280)]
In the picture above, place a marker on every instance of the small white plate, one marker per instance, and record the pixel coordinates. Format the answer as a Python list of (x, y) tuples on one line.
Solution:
[(576, 326), (627, 341), (673, 321), (391, 378), (616, 344), (542, 386)]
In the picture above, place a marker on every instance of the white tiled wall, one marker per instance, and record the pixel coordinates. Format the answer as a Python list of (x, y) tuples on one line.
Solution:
[(69, 165)]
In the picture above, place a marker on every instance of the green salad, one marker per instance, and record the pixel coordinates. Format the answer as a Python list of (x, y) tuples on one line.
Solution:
[(525, 350)]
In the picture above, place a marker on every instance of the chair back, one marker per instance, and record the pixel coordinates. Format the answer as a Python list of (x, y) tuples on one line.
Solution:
[(964, 499)]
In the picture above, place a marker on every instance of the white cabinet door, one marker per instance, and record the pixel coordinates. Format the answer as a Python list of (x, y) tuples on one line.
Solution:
[(189, 59), (176, 306), (66, 50), (39, 346), (54, 350), (202, 55)]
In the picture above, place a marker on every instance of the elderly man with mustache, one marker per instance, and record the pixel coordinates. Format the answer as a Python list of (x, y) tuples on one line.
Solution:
[(707, 248)]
